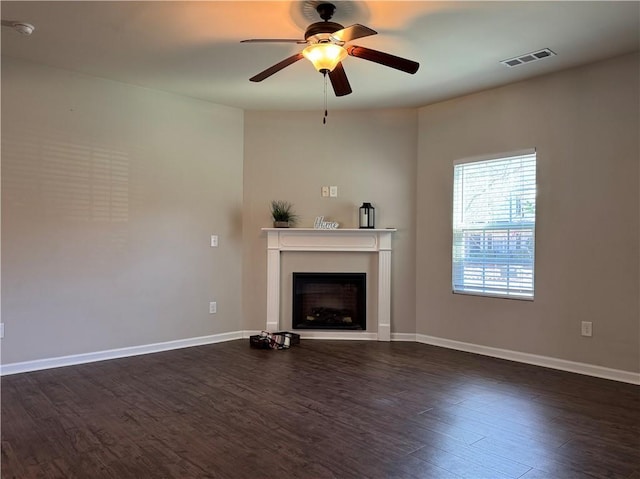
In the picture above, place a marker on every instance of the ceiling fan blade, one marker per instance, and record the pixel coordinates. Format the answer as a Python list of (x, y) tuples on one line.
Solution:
[(276, 68), (274, 40), (353, 32), (386, 59), (339, 81)]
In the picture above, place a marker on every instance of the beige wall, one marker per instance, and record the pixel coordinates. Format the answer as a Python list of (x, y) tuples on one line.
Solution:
[(109, 195), (584, 124), (369, 155)]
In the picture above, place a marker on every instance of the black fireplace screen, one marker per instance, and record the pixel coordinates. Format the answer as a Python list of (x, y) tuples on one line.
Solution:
[(330, 301)]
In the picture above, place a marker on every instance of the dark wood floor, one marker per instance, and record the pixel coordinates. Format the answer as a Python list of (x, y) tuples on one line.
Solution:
[(319, 410)]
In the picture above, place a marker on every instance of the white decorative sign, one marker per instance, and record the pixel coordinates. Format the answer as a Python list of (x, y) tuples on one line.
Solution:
[(321, 224)]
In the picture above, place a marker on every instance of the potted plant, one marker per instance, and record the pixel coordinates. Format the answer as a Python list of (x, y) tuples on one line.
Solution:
[(282, 213)]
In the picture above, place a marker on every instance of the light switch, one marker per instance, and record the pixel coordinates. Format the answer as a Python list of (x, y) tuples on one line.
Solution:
[(325, 191), (214, 241)]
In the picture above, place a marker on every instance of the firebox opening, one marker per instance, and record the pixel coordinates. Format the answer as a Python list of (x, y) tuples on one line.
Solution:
[(330, 301)]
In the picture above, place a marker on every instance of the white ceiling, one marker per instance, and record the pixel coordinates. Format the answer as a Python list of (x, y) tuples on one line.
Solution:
[(194, 49)]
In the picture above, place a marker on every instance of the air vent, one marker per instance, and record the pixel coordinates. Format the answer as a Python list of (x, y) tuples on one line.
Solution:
[(528, 58)]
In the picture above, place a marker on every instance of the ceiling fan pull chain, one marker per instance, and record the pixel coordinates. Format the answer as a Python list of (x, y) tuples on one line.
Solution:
[(324, 120)]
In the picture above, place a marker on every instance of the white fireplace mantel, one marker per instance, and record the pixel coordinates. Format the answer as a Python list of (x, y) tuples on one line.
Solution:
[(377, 241)]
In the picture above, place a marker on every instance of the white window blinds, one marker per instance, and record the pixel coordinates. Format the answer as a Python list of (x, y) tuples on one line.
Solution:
[(494, 217)]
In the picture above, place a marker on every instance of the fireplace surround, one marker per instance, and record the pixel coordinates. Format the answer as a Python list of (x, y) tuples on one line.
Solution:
[(374, 241)]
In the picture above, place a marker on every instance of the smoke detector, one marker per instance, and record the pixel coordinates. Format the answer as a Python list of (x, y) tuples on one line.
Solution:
[(528, 57), (20, 27)]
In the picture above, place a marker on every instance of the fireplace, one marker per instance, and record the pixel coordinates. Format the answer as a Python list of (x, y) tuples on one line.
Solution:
[(330, 301), (377, 242)]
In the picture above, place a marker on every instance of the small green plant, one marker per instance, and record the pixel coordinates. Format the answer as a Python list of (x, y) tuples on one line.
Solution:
[(282, 211)]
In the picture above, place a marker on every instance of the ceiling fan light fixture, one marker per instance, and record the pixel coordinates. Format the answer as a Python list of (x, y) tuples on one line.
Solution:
[(324, 56)]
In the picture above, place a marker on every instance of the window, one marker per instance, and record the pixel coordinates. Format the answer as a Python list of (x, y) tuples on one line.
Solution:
[(494, 219)]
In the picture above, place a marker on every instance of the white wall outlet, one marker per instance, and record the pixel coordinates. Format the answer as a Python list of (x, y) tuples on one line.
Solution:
[(214, 241), (213, 307), (333, 191), (587, 328), (324, 191), (1, 330)]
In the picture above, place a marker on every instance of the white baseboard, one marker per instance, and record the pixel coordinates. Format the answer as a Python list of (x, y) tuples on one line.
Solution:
[(38, 364), (409, 337), (545, 361)]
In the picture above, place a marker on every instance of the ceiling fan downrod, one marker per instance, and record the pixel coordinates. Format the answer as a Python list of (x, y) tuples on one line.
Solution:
[(322, 30), (326, 11)]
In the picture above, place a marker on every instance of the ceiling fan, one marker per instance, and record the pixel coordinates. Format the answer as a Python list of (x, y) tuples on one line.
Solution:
[(326, 49)]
